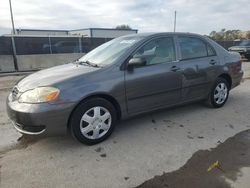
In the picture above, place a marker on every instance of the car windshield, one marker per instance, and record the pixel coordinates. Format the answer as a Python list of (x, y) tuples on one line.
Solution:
[(245, 43), (110, 51)]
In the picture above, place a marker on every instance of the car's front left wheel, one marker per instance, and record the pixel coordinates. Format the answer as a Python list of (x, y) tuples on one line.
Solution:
[(93, 121)]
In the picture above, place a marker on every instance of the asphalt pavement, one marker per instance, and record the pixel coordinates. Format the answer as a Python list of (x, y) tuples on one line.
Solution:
[(138, 150)]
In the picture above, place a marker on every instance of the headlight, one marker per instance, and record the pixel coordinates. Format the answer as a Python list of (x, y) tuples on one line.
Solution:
[(39, 95)]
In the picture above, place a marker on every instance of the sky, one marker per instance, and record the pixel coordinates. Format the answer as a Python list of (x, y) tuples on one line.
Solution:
[(197, 16)]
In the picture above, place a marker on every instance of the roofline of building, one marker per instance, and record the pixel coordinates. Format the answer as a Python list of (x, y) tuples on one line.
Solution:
[(29, 35), (53, 30), (58, 30)]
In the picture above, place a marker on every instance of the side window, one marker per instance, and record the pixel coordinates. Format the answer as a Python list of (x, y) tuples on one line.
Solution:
[(159, 50), (192, 47), (210, 51)]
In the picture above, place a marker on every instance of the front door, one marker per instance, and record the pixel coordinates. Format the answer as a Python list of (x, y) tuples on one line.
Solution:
[(158, 83)]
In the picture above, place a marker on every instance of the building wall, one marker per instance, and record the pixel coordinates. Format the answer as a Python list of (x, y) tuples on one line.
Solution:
[(85, 32), (41, 32), (90, 32), (102, 33)]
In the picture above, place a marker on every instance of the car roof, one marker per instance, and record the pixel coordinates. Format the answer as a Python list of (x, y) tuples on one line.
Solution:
[(150, 34)]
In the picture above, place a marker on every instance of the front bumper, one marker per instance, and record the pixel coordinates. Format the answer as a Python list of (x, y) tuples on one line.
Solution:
[(31, 130), (41, 118)]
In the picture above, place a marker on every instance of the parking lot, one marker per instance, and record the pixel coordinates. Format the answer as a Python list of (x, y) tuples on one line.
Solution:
[(139, 149)]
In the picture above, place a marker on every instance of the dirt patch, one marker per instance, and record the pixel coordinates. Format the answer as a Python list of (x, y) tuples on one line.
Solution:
[(232, 155), (126, 178), (22, 142), (99, 149), (103, 155)]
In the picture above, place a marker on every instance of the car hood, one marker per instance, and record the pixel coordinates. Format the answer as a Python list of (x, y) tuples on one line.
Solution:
[(54, 75)]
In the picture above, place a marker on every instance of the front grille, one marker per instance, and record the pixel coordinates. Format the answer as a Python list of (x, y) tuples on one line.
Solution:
[(15, 93)]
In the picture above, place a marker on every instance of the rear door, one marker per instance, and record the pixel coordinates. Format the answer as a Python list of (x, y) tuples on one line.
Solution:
[(156, 84), (198, 62)]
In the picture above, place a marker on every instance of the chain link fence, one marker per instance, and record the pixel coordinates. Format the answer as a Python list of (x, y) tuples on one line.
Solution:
[(228, 44), (54, 45), (49, 45), (36, 52)]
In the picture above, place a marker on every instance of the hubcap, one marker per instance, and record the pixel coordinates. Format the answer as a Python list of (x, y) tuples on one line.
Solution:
[(220, 93), (96, 122)]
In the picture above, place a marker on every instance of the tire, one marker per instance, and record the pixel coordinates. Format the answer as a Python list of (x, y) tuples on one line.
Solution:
[(93, 121), (219, 93)]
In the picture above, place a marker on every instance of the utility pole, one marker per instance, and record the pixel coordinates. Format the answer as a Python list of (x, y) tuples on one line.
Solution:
[(12, 38), (175, 20)]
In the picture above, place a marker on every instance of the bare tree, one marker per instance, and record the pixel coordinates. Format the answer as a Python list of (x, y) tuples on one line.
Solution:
[(224, 34), (124, 27)]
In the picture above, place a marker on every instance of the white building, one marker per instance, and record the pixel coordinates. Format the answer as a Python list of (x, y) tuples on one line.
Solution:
[(102, 32), (89, 32), (43, 32)]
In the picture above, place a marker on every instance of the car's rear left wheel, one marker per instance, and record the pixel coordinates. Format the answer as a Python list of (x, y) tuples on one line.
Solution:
[(219, 93), (93, 121)]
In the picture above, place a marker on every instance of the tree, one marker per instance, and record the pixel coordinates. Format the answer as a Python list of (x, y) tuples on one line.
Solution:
[(248, 35), (228, 35), (124, 27)]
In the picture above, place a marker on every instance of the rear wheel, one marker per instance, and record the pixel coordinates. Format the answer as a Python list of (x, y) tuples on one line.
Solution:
[(219, 93), (93, 121)]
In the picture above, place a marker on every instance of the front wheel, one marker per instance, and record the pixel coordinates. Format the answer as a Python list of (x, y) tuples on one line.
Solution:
[(93, 121), (219, 93)]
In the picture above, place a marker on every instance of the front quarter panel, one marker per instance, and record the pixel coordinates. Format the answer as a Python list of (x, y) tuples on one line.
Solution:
[(107, 81)]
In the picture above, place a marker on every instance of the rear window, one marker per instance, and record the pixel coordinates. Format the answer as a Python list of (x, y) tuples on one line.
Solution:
[(210, 50), (192, 47)]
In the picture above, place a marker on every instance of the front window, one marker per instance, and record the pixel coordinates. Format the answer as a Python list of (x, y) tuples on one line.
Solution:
[(160, 50), (109, 52)]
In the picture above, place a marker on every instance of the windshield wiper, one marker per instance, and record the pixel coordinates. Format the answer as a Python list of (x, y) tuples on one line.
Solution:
[(87, 63)]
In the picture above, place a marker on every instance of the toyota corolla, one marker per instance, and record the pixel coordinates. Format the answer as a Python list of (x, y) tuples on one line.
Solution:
[(124, 77)]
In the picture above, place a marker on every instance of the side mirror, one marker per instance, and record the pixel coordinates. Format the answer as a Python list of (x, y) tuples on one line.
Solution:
[(136, 62)]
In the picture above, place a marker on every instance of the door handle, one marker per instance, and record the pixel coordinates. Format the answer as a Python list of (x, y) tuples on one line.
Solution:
[(174, 68), (212, 62)]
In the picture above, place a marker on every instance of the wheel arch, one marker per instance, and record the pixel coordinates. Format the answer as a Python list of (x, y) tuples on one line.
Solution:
[(105, 96), (228, 78)]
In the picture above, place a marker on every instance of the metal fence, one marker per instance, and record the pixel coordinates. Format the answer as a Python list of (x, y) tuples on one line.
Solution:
[(5, 46), (228, 44), (68, 48), (53, 45), (49, 45)]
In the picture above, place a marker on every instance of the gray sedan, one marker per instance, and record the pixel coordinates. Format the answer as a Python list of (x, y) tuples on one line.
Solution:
[(124, 77)]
